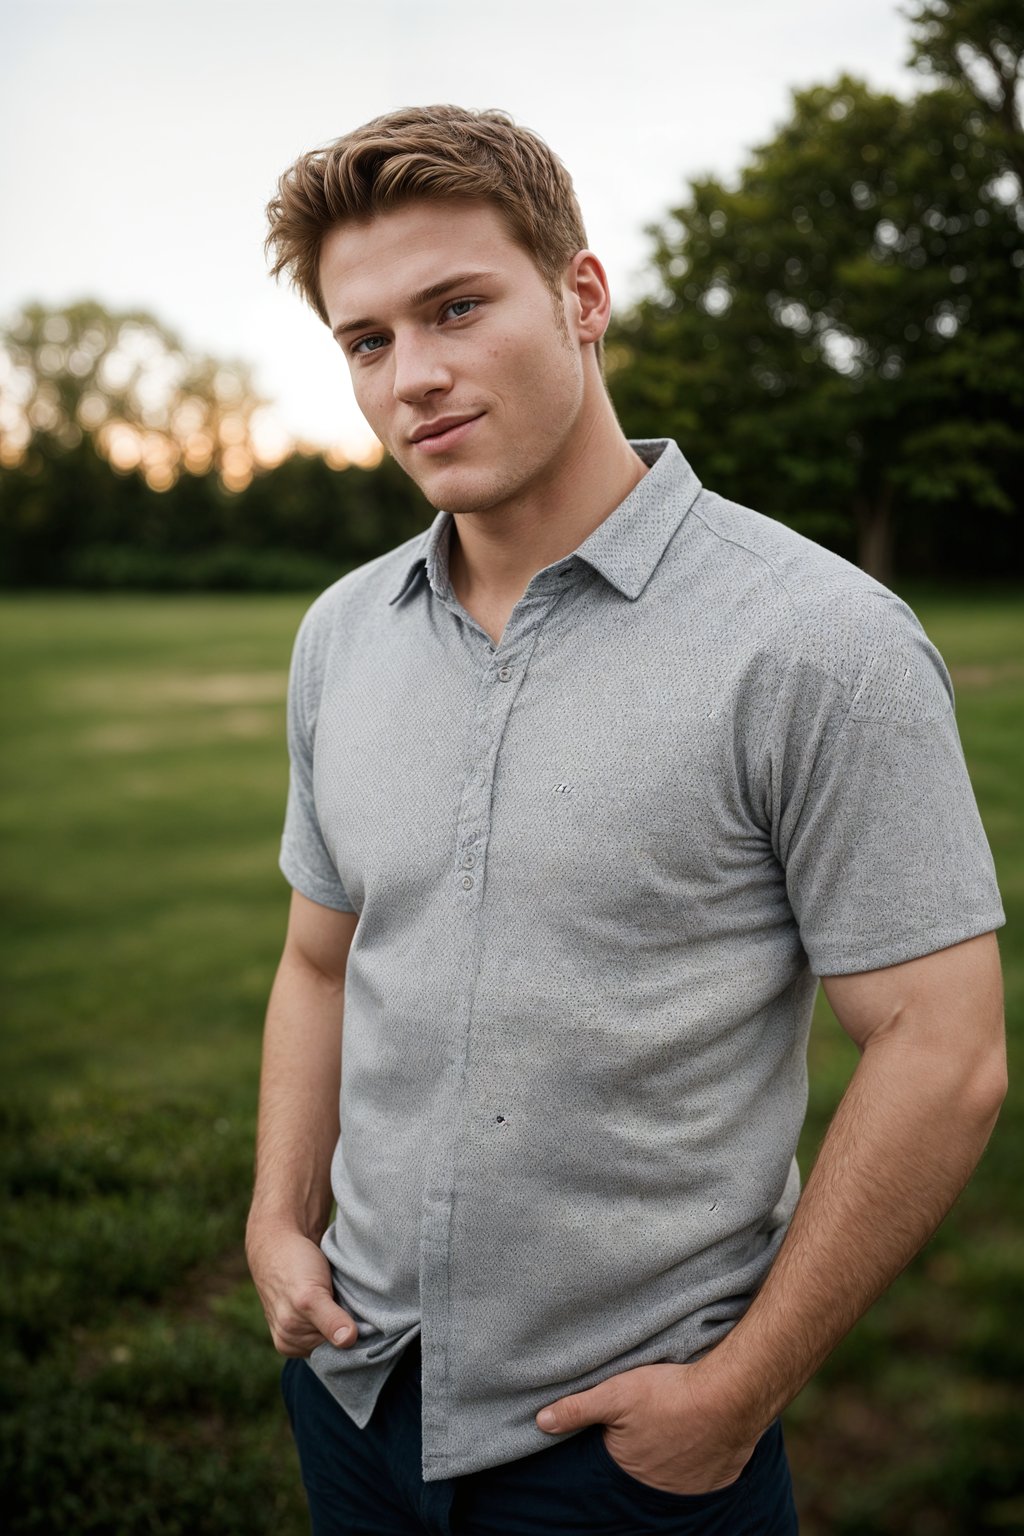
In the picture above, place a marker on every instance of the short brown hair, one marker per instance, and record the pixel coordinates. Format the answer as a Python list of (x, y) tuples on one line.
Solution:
[(425, 152)]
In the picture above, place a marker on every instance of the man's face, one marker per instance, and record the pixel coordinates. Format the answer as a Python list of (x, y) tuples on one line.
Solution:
[(459, 361)]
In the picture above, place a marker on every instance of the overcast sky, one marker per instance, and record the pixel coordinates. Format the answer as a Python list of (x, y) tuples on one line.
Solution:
[(139, 142)]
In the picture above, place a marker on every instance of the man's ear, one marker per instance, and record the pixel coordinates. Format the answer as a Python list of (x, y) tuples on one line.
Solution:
[(591, 305)]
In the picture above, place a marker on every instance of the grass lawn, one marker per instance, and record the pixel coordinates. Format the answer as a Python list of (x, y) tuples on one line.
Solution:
[(141, 792)]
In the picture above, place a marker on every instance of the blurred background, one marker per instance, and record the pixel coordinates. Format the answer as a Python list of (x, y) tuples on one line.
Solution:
[(813, 220)]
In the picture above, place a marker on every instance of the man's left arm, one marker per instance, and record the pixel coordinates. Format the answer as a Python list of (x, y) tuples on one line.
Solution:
[(905, 1139)]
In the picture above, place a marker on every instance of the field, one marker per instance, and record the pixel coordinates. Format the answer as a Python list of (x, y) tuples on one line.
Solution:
[(141, 791)]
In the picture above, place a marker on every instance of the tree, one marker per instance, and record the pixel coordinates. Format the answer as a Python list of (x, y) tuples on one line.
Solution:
[(125, 461), (835, 335), (125, 380), (979, 45)]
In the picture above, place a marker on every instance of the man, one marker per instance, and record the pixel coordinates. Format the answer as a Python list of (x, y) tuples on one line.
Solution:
[(590, 784)]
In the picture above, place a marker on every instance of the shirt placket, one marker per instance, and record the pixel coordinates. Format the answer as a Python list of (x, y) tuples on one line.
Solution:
[(503, 671)]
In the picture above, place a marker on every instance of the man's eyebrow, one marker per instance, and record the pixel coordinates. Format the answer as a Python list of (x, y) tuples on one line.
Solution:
[(417, 300)]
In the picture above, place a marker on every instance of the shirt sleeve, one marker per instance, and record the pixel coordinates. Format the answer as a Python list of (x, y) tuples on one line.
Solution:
[(873, 815), (305, 860)]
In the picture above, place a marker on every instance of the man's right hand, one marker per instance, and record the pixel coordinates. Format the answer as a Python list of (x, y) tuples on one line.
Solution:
[(294, 1282)]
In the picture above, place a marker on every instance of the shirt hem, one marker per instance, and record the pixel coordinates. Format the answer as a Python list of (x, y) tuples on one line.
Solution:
[(913, 947), (316, 890)]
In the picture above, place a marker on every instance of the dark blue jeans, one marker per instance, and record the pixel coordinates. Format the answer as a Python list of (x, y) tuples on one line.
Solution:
[(367, 1482)]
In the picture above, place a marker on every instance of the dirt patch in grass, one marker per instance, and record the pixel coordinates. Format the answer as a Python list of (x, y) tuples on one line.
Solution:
[(131, 691), (987, 676), (157, 735), (195, 1298)]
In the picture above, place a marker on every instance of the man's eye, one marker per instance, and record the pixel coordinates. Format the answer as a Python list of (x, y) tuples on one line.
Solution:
[(367, 344), (460, 307)]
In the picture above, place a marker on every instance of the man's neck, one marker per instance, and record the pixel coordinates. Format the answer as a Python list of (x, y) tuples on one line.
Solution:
[(494, 554)]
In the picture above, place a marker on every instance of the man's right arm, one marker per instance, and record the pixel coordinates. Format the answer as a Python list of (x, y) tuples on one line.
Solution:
[(298, 1130)]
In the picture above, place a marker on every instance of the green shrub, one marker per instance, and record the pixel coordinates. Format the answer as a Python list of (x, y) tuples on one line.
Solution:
[(222, 568)]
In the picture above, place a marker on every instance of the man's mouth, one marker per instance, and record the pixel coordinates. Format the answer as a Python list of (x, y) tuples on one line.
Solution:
[(445, 432)]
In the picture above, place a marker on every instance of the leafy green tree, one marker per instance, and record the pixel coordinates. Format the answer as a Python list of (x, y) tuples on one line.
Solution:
[(344, 516), (979, 45), (834, 337)]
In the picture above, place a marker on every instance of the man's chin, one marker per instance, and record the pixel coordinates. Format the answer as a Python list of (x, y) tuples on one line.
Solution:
[(456, 493)]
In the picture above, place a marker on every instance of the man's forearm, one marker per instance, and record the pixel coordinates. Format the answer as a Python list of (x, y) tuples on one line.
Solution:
[(299, 1086), (903, 1143), (298, 1130)]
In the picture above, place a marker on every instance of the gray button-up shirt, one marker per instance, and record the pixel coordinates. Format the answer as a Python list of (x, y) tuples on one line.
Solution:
[(598, 869)]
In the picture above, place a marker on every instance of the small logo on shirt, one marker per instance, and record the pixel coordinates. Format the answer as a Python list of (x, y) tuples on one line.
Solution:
[(564, 789)]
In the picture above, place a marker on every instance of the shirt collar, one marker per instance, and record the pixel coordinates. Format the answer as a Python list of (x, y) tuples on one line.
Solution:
[(431, 557), (624, 549), (627, 546)]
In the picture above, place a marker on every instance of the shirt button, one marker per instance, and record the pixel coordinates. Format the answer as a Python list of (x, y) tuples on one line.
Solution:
[(467, 882), (468, 860), (505, 674)]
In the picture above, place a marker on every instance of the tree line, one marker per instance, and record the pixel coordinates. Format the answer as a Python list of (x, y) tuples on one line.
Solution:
[(833, 337), (128, 462)]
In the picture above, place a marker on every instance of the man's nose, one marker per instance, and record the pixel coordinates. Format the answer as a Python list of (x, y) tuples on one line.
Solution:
[(420, 370)]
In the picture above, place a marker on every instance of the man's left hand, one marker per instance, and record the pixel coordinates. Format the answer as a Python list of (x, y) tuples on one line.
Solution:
[(662, 1426)]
